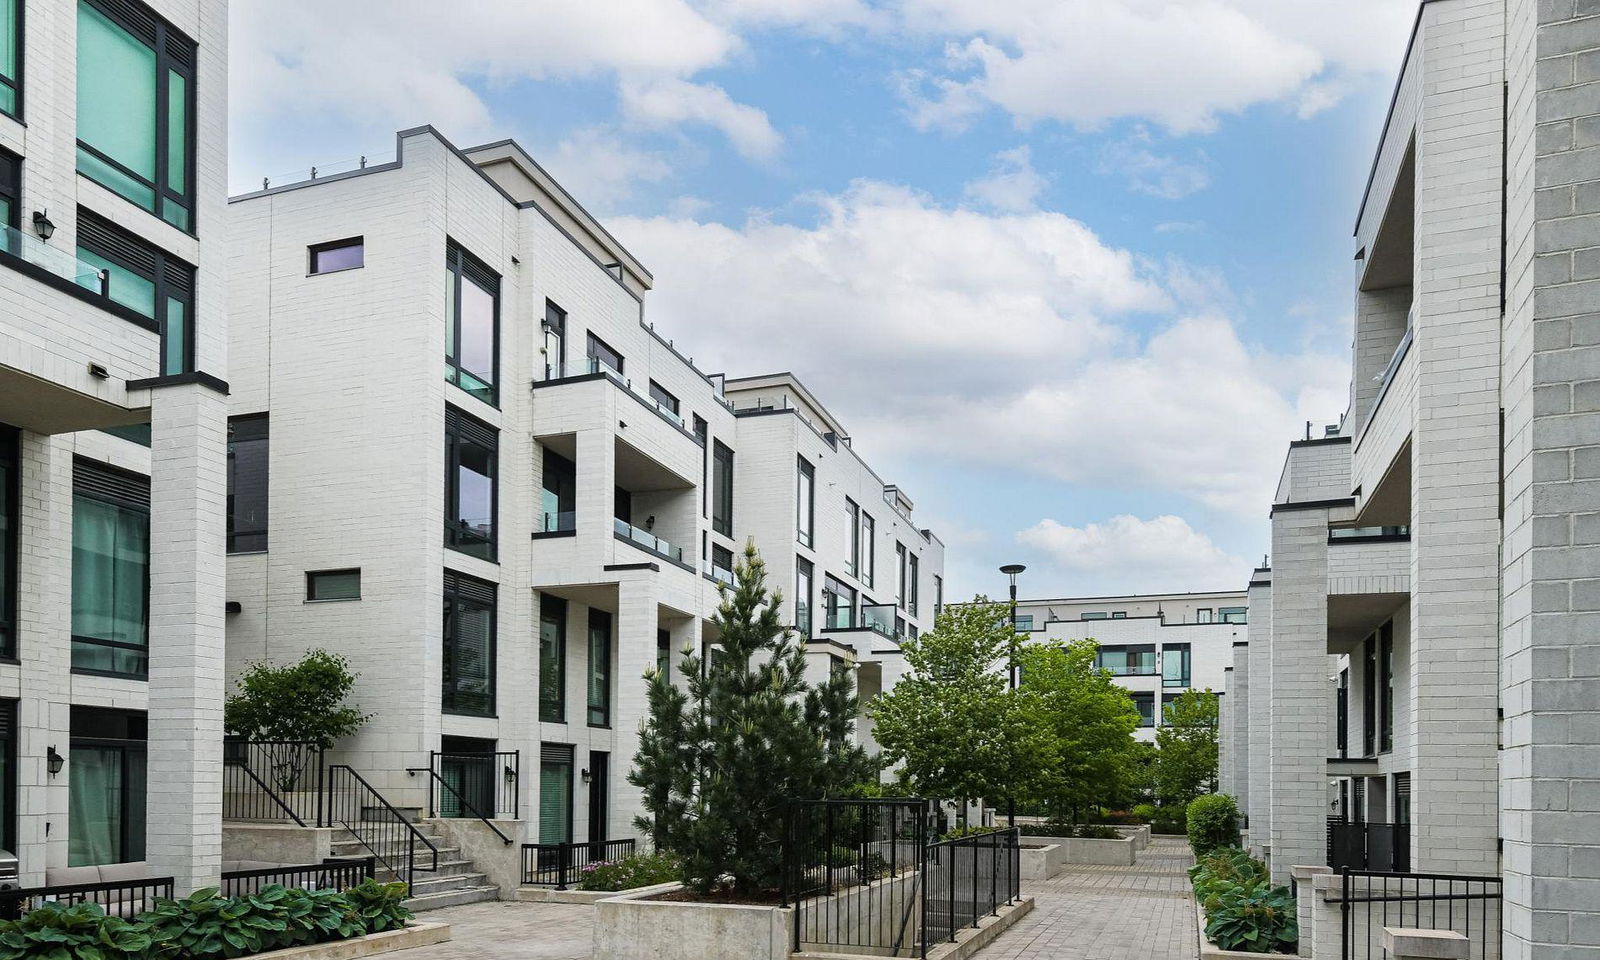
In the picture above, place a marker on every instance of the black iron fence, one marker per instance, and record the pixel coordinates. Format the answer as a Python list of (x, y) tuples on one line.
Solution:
[(1384, 847), (562, 865), (1371, 900), (272, 780), (333, 874), (119, 898), (967, 879), (355, 806), (475, 784)]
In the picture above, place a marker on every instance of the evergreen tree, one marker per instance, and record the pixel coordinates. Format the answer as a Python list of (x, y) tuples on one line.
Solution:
[(719, 762)]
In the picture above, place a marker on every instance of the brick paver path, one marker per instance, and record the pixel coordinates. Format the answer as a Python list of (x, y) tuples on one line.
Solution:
[(1142, 912), (510, 931)]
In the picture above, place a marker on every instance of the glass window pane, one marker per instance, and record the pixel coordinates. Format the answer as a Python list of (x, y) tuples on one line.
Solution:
[(8, 42), (477, 331), (345, 257), (177, 131), (133, 291), (552, 660), (94, 805), (110, 584), (333, 585), (555, 802), (247, 485), (116, 95), (599, 668), (175, 338), (469, 656)]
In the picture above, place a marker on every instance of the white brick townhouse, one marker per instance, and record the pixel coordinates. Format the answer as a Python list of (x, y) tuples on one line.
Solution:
[(1427, 661), (1158, 646), (465, 461), (113, 360)]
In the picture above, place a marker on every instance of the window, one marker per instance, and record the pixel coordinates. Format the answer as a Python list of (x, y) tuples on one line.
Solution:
[(336, 255), (838, 604), (1233, 614), (702, 431), (721, 564), (900, 583), (599, 668), (913, 584), (468, 645), (1146, 703), (665, 402), (805, 501), (472, 331), (1342, 713), (1203, 615), (852, 519), (133, 433), (470, 448), (869, 549), (664, 653), (555, 341), (559, 499), (11, 72), (10, 176), (110, 570), (1093, 616), (1175, 665), (555, 793), (136, 107), (721, 489), (1127, 660), (8, 774), (1119, 614), (802, 596), (106, 786), (552, 659), (333, 585), (938, 595), (247, 484), (10, 471), (146, 280), (1369, 695), (602, 358), (1386, 687), (1023, 622)]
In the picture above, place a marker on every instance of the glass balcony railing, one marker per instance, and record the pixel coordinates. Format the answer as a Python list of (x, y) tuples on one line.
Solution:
[(718, 573), (647, 540), (1368, 533), (564, 521), (587, 365), (880, 619), (60, 261)]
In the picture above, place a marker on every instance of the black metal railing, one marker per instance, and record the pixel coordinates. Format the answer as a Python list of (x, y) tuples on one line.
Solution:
[(967, 879), (562, 865), (459, 805), (331, 874), (272, 780), (483, 785), (119, 898), (853, 870), (1371, 900), (1383, 847), (355, 806)]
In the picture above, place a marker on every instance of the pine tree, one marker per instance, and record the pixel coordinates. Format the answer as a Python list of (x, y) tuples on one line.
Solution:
[(719, 763)]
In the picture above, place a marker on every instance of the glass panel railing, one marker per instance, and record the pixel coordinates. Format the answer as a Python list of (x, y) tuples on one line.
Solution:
[(839, 618), (60, 261), (588, 365), (718, 573), (1350, 533), (647, 540), (880, 619), (564, 521)]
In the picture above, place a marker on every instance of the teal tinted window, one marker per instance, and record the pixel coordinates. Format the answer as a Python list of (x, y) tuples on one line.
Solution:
[(146, 280), (10, 58), (110, 570)]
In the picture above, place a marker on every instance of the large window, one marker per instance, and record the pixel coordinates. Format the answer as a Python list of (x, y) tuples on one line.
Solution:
[(552, 659), (805, 501), (470, 500), (468, 645), (852, 520), (664, 653), (1127, 660), (555, 793), (1233, 614), (110, 570), (10, 188), (666, 402), (136, 107), (721, 489), (472, 332), (153, 284), (1386, 687), (558, 501), (11, 71), (602, 357), (10, 464), (247, 484), (913, 583), (599, 668), (838, 604), (1175, 664), (8, 774), (1146, 704), (323, 586), (901, 581), (869, 549), (1369, 695), (802, 596), (106, 787)]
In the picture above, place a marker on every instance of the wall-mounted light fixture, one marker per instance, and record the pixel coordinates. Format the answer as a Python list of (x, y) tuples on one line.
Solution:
[(587, 776), (42, 224), (54, 761)]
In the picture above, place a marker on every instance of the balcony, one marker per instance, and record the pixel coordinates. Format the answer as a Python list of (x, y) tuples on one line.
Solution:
[(1369, 846), (589, 366), (558, 523), (26, 252), (880, 618), (718, 573), (647, 541)]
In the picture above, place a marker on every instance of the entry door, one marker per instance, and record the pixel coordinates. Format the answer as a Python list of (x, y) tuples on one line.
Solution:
[(599, 791), (467, 765)]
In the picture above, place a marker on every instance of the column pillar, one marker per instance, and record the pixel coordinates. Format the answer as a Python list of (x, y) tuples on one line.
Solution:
[(188, 486), (637, 619)]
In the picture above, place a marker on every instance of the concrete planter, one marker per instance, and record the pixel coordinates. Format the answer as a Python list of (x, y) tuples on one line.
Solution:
[(1115, 853), (639, 929), (1210, 951), (415, 935), (1139, 834), (1042, 859), (552, 895)]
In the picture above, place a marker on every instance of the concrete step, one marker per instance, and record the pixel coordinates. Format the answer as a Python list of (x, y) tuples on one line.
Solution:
[(425, 884), (453, 898)]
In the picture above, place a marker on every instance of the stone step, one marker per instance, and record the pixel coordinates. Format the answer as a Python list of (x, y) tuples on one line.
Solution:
[(425, 884), (454, 898)]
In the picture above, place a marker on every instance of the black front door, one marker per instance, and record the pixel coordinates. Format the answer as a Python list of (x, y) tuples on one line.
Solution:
[(599, 788)]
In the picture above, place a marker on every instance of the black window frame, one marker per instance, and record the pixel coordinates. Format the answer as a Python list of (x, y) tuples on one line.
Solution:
[(913, 583), (173, 278), (553, 610), (9, 755), (592, 709), (805, 501), (1147, 698), (718, 552), (313, 577), (166, 41), (558, 477), (125, 488), (1186, 650), (591, 344), (10, 502), (555, 319), (19, 55), (852, 516), (702, 432), (1386, 687), (664, 397), (1369, 696), (11, 181), (316, 249), (248, 424), (721, 488), (463, 265), (462, 428), (867, 563), (1128, 651), (803, 621), (901, 582), (664, 652), (461, 588)]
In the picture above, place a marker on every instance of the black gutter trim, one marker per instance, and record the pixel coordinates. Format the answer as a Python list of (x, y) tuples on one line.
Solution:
[(1241, 643), (75, 291), (1377, 538), (639, 546), (588, 377), (180, 380), (1318, 441), (1388, 118), (616, 567), (553, 534), (1311, 505)]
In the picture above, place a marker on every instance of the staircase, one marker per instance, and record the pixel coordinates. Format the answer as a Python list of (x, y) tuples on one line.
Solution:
[(454, 883)]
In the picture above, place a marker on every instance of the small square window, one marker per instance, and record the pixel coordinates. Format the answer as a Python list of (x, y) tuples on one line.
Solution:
[(333, 585), (338, 255)]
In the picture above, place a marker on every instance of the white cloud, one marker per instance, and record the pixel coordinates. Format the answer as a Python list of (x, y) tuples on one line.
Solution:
[(594, 163), (670, 102), (949, 336), (1012, 185), (1127, 554), (1151, 173)]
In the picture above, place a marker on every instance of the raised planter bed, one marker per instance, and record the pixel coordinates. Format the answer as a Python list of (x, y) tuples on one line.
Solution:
[(1210, 951), (1116, 853), (628, 929), (552, 895), (1041, 858), (1138, 833), (415, 935)]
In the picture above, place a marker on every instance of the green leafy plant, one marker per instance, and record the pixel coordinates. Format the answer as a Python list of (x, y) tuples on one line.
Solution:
[(1213, 823), (635, 870), (873, 867), (81, 931), (300, 701), (1143, 812), (1243, 910), (379, 906), (1170, 820), (1082, 831), (1186, 748), (969, 831)]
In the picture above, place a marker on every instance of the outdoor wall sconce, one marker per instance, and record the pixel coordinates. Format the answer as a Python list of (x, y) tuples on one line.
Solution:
[(587, 776), (42, 225), (54, 761), (511, 774)]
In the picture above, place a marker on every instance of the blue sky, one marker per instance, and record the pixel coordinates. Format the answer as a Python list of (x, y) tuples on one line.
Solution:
[(1072, 271)]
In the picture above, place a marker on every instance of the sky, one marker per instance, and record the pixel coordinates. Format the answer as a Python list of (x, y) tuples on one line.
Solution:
[(1071, 272)]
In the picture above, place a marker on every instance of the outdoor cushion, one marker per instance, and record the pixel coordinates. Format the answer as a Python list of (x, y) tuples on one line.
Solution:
[(132, 870), (63, 876)]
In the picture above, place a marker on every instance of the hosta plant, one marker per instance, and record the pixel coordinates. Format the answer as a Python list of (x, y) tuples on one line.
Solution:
[(379, 906), (81, 931), (1256, 918)]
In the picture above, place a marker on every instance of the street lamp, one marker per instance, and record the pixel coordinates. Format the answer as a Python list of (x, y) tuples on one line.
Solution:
[(1011, 570)]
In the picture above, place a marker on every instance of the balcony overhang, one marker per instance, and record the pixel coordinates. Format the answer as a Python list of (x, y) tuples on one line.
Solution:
[(41, 406), (1352, 617), (1388, 503), (1352, 766)]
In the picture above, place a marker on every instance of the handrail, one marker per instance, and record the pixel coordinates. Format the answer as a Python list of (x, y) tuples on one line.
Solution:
[(413, 771), (271, 794), (288, 765), (409, 829)]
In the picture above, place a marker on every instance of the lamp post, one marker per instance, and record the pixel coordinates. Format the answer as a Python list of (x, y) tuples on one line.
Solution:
[(1011, 570)]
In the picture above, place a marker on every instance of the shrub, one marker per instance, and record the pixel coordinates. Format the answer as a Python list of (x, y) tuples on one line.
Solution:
[(81, 930), (1055, 828), (1170, 820), (1213, 822), (1243, 910), (970, 831), (1144, 812), (634, 870), (873, 867)]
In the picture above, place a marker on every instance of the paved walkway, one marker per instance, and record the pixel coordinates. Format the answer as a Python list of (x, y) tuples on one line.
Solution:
[(510, 931), (1142, 912)]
